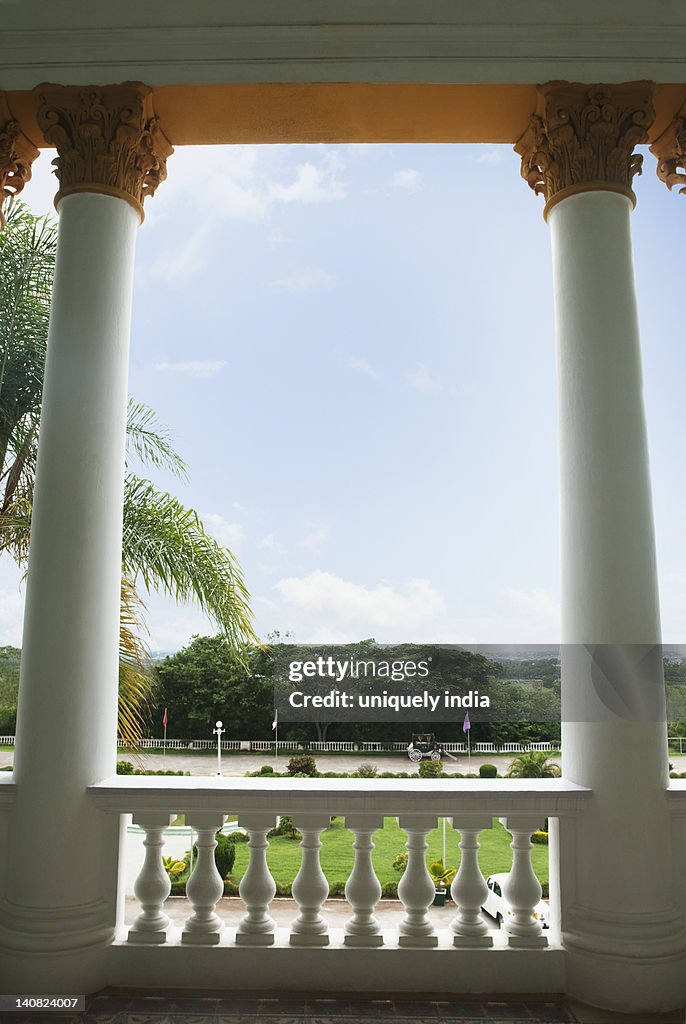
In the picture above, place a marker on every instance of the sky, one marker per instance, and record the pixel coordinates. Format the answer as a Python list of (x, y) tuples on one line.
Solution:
[(353, 348)]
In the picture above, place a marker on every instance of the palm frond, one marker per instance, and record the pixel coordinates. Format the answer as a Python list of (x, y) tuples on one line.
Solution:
[(136, 684), (150, 441), (165, 546)]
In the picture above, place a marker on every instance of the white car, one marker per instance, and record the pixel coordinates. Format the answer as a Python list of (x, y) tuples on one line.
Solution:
[(497, 907)]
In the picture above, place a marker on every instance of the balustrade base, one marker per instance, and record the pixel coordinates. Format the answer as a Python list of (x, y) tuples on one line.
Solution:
[(204, 939), (526, 942), (473, 941), (418, 941), (362, 941), (309, 940), (148, 938), (254, 939)]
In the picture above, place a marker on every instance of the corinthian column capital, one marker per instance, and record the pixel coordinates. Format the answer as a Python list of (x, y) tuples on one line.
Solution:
[(108, 140), (670, 150), (582, 139), (17, 153)]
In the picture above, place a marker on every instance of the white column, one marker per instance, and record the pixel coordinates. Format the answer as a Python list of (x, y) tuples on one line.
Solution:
[(153, 885), (625, 941), (469, 889), (205, 887), (621, 926), (62, 866), (67, 718), (257, 888), (363, 889), (310, 887), (522, 890), (416, 888)]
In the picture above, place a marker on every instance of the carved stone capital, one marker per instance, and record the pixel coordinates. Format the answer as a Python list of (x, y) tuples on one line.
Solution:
[(108, 140), (582, 139), (17, 154), (670, 150)]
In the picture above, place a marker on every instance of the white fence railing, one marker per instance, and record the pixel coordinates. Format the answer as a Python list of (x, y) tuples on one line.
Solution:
[(337, 746)]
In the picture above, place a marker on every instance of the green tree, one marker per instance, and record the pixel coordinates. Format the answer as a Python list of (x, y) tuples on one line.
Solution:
[(207, 680), (165, 545)]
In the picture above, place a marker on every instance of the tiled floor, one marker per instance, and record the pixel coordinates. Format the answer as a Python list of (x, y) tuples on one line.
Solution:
[(120, 1007)]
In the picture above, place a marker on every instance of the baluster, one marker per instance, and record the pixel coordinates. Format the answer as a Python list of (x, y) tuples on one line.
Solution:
[(152, 885), (310, 887), (522, 890), (257, 888), (417, 887), (362, 890), (469, 889), (205, 887)]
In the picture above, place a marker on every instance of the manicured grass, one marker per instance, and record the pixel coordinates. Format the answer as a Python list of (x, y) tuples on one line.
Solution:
[(283, 855)]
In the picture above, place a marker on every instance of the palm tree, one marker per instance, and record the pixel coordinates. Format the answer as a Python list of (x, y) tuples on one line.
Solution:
[(165, 545), (536, 764)]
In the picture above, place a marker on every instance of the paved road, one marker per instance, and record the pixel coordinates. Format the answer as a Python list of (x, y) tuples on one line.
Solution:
[(238, 764)]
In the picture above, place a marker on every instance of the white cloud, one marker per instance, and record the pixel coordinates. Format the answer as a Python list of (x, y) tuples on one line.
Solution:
[(534, 615), (11, 618), (363, 366), (228, 534), (184, 260), (198, 368), (275, 238), (246, 182), (324, 607), (305, 280), (313, 183), (270, 543), (316, 537), (421, 379), (409, 180), (491, 156)]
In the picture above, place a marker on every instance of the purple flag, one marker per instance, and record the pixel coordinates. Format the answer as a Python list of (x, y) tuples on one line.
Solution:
[(466, 725)]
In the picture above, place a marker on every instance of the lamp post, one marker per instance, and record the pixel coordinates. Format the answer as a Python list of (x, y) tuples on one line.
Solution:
[(218, 730)]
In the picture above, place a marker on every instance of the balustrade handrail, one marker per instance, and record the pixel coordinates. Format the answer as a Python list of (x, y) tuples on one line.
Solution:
[(390, 797)]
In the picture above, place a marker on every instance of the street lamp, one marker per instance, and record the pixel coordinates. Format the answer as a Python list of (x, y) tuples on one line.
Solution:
[(218, 732)]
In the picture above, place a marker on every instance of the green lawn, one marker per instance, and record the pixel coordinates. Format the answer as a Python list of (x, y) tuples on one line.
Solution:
[(283, 855)]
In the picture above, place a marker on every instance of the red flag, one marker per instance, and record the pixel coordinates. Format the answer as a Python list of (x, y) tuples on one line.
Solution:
[(165, 719)]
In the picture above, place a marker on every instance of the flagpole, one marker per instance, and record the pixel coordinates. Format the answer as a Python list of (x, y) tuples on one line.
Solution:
[(469, 750), (164, 748)]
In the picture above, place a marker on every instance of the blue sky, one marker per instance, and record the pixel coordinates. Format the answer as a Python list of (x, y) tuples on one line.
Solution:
[(353, 347)]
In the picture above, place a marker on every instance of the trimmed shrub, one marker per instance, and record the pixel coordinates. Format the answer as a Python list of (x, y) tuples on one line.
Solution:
[(266, 769), (390, 890), (284, 889), (285, 828), (124, 768), (7, 768), (337, 889), (540, 838), (230, 887), (303, 764), (224, 854), (430, 769), (400, 862), (367, 771), (238, 837), (488, 771)]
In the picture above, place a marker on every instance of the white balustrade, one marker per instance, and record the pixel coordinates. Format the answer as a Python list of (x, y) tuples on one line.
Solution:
[(257, 888), (417, 888), (362, 889), (152, 886), (205, 887), (310, 887), (469, 889), (522, 889)]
